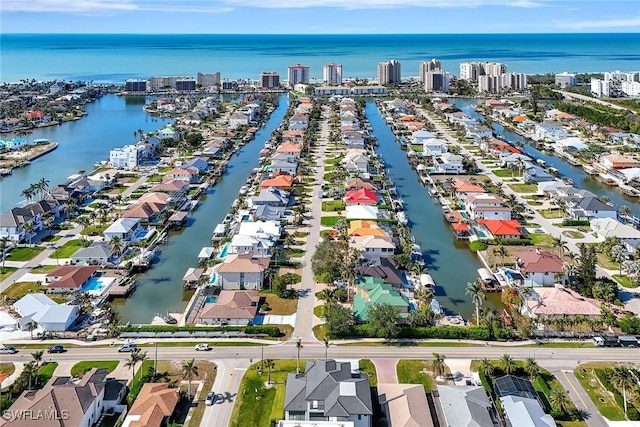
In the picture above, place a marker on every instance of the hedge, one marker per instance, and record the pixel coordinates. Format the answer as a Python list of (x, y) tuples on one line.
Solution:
[(437, 332), (603, 376), (569, 222), (509, 242), (477, 246), (272, 331)]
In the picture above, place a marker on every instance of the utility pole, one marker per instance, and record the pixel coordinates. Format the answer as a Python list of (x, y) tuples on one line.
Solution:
[(155, 363)]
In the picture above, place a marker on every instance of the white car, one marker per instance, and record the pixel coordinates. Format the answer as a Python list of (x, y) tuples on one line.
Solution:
[(211, 399), (202, 347)]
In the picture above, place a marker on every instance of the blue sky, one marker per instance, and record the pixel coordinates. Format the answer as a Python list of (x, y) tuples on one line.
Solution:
[(319, 16)]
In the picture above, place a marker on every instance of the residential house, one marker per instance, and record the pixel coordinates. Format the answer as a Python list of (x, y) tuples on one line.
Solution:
[(487, 206), (69, 278), (586, 208), (238, 119), (241, 271), (48, 314), (355, 163), (98, 253), (374, 291), (502, 228), (558, 301), (538, 267), (13, 221), (234, 308), (271, 197), (144, 211), (466, 406), (181, 174), (617, 161), (167, 133), (434, 147), (124, 228), (127, 157), (10, 124), (67, 402), (328, 391), (270, 213), (176, 189), (298, 121), (290, 149), (464, 189), (353, 139), (199, 163), (404, 405), (259, 245), (270, 229), (422, 136), (284, 164), (448, 163), (361, 212), (361, 197), (358, 183), (478, 131), (383, 268), (372, 246), (283, 182), (192, 277), (525, 412), (153, 406), (293, 135), (365, 228), (534, 174), (610, 227), (548, 132), (86, 184)]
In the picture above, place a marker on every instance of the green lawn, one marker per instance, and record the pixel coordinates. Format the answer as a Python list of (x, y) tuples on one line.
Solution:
[(506, 173), (573, 234), (367, 367), (329, 221), (42, 269), (416, 147), (605, 262), (46, 371), (293, 252), (600, 397), (80, 368), (24, 253), (280, 306), (541, 239), (6, 272), (625, 281), (411, 372), (333, 206), (524, 188), (68, 249), (256, 405), (93, 230), (7, 368), (319, 311), (552, 214)]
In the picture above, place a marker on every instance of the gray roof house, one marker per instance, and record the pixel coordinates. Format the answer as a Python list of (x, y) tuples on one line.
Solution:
[(197, 163), (271, 196), (48, 314), (525, 412), (270, 213), (466, 406), (98, 253), (328, 391), (590, 207)]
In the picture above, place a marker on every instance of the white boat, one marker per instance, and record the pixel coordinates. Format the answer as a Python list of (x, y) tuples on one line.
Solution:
[(427, 280), (435, 307), (590, 170), (243, 190), (433, 191), (402, 218)]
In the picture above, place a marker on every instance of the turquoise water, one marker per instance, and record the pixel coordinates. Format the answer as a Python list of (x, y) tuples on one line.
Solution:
[(223, 252), (463, 214), (93, 284), (210, 300), (116, 57)]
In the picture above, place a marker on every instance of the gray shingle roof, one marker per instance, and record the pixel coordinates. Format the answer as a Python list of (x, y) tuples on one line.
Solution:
[(466, 406)]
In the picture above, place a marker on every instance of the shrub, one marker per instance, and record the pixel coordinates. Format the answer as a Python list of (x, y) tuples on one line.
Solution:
[(477, 246), (575, 222), (510, 242)]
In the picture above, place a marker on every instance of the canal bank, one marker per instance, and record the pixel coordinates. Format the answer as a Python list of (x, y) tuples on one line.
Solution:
[(580, 178), (448, 260), (160, 290), (110, 123)]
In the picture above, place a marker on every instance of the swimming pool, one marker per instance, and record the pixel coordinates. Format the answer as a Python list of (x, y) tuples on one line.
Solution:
[(96, 285), (210, 300), (214, 279), (463, 214), (223, 252), (481, 234)]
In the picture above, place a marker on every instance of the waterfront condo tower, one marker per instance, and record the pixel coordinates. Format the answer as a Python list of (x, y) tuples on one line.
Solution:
[(332, 74), (298, 74), (436, 81), (208, 80), (426, 66), (269, 80), (389, 72), (135, 86)]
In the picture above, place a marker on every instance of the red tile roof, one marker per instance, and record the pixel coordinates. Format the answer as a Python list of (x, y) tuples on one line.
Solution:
[(280, 181), (71, 277), (502, 227), (458, 226), (539, 262), (361, 196), (467, 187)]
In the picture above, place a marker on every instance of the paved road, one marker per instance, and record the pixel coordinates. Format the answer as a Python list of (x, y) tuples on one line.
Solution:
[(304, 314), (596, 100), (226, 386)]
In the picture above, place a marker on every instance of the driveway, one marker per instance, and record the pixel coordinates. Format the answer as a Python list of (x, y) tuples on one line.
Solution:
[(386, 370)]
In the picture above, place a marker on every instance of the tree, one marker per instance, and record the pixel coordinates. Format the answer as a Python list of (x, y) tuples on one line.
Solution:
[(586, 271), (531, 367), (557, 242), (618, 253), (270, 365), (37, 357), (474, 289), (438, 366), (560, 400), (299, 347), (43, 187), (30, 371), (383, 321), (502, 252), (331, 296), (189, 370), (326, 261), (621, 378), (424, 295), (624, 211), (135, 357), (340, 320), (116, 245), (605, 289), (507, 364), (632, 268), (31, 326), (486, 367), (4, 243)]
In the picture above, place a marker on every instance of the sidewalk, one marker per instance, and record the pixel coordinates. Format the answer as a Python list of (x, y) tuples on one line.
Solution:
[(18, 366)]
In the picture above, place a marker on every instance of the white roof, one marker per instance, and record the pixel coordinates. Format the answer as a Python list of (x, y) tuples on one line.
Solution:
[(525, 412), (43, 309), (32, 303), (609, 227), (630, 173), (206, 252), (122, 225), (252, 228), (362, 212), (434, 142)]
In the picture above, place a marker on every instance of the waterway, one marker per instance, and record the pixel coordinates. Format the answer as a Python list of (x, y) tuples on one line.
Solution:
[(160, 290), (110, 123), (448, 260), (577, 174)]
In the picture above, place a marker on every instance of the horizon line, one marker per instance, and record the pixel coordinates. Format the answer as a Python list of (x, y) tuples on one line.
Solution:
[(324, 34)]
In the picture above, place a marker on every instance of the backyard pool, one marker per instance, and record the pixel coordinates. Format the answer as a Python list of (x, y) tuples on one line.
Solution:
[(223, 252), (463, 214), (96, 285), (214, 279), (210, 300), (480, 233)]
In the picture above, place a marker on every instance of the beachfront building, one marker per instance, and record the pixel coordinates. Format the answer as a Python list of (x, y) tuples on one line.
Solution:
[(389, 72), (565, 80), (135, 86), (327, 392), (48, 314), (473, 70), (297, 74), (208, 80), (332, 74), (436, 81), (269, 80), (426, 66)]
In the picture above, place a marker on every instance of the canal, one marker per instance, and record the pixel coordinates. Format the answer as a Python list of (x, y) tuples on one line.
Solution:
[(448, 260), (577, 174), (159, 289), (110, 123)]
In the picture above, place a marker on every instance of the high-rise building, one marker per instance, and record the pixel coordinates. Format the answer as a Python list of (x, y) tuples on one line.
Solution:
[(269, 80), (473, 70), (298, 74), (185, 85), (601, 87), (389, 72), (425, 66), (135, 85), (332, 74), (208, 80), (565, 79), (436, 81)]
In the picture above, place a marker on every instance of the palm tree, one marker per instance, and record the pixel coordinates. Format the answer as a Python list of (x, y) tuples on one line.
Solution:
[(270, 365), (27, 193), (189, 370), (624, 211), (622, 379), (486, 367), (30, 370), (474, 289), (438, 366), (326, 346), (531, 367), (116, 245), (618, 254), (43, 186), (424, 295), (502, 252), (560, 400), (298, 347), (31, 326), (37, 357), (4, 242), (83, 221), (28, 228), (507, 364), (561, 245), (135, 357)]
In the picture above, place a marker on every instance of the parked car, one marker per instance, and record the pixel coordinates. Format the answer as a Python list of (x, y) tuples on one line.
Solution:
[(8, 350), (127, 347), (211, 399), (56, 349), (202, 347), (582, 230)]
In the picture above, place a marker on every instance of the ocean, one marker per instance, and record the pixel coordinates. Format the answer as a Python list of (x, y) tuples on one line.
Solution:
[(113, 58)]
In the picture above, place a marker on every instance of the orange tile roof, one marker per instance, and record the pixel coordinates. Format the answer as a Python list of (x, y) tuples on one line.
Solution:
[(458, 226), (502, 227), (154, 402), (280, 181), (289, 147), (467, 187), (365, 228)]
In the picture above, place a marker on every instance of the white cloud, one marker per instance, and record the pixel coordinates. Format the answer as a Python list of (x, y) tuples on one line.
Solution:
[(383, 4), (612, 23), (103, 6)]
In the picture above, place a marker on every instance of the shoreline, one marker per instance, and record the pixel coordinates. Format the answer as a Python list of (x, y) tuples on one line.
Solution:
[(27, 160)]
